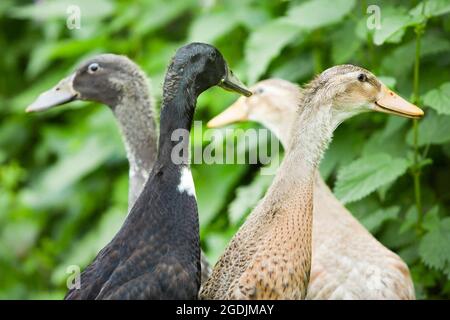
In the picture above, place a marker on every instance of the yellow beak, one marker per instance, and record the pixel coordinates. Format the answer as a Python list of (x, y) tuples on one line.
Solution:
[(390, 102), (237, 112)]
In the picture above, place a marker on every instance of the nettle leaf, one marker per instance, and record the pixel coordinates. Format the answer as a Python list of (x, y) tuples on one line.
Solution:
[(434, 249), (396, 64), (345, 44), (433, 8), (265, 43), (208, 28), (409, 221), (211, 197), (439, 99), (367, 174), (156, 14), (393, 26), (247, 197), (433, 129), (58, 9), (91, 243), (431, 219), (344, 148), (295, 69), (375, 220), (319, 13)]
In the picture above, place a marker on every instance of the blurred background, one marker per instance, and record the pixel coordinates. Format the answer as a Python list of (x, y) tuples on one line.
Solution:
[(64, 175)]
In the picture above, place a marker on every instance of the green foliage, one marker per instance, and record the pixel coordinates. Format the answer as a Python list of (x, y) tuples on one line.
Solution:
[(439, 99), (367, 174), (64, 175), (258, 54), (314, 14), (434, 248)]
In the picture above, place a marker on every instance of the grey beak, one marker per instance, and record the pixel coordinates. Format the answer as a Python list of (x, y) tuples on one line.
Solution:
[(231, 83), (62, 93)]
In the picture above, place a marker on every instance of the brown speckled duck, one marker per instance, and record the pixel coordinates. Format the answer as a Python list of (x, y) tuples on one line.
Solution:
[(347, 261), (270, 256)]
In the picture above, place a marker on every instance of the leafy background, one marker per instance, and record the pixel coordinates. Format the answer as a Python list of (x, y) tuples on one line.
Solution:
[(63, 174)]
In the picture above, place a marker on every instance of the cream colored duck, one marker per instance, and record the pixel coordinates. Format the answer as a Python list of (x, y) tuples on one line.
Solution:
[(347, 261), (270, 256)]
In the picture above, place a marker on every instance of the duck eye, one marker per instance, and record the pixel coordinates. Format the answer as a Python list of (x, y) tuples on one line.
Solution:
[(93, 67), (259, 90), (362, 77)]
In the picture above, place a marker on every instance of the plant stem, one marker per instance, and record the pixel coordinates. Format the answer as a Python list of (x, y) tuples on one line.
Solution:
[(317, 52), (416, 172), (370, 54)]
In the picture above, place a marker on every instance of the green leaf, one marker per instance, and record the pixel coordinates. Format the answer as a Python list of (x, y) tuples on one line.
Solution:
[(68, 170), (434, 249), (299, 67), (90, 244), (51, 9), (409, 221), (211, 197), (375, 220), (315, 14), (439, 99), (367, 174), (217, 242), (247, 197), (345, 43), (391, 25), (431, 219), (395, 63), (433, 129), (156, 14), (344, 148), (265, 43), (433, 8), (209, 27)]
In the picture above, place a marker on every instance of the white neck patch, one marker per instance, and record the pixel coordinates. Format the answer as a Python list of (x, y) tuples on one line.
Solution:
[(186, 182)]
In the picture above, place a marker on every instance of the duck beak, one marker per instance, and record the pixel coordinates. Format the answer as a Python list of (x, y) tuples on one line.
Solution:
[(237, 112), (62, 93), (231, 83), (390, 102)]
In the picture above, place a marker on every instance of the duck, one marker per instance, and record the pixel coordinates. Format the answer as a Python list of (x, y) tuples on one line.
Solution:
[(118, 82), (270, 255), (348, 262), (156, 252)]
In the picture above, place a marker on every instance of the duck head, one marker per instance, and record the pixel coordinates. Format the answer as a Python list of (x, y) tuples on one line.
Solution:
[(348, 89), (351, 90), (203, 65), (273, 103), (105, 78)]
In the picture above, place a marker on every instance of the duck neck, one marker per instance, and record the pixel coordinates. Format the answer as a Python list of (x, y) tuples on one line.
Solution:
[(313, 132), (291, 193), (135, 115), (176, 120)]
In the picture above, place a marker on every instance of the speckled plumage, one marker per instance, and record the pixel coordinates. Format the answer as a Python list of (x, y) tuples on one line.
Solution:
[(270, 256), (347, 261)]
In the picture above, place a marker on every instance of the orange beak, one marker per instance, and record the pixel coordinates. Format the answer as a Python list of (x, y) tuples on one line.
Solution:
[(390, 102)]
